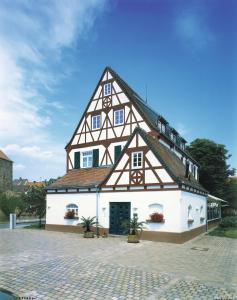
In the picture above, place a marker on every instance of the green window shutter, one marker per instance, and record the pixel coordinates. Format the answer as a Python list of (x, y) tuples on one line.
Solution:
[(77, 160), (117, 152), (95, 157)]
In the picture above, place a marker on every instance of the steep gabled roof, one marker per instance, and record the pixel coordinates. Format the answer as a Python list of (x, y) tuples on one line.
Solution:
[(167, 158), (149, 114), (170, 160), (3, 156), (81, 178)]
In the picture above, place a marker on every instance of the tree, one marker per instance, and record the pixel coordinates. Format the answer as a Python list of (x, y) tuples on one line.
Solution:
[(231, 195), (35, 199), (11, 202), (214, 170)]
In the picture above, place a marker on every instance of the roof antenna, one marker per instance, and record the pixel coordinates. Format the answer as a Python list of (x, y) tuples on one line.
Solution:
[(146, 93)]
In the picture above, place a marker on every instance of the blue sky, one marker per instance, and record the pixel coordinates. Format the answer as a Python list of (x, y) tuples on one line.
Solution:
[(52, 54)]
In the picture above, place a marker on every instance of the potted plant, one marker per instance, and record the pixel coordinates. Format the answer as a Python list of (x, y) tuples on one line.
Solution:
[(134, 227), (202, 219), (157, 218), (87, 223)]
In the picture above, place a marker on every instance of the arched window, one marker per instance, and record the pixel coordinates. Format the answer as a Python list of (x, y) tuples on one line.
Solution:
[(72, 207), (156, 207)]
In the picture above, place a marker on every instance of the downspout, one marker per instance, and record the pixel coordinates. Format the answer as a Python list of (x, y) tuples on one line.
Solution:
[(206, 213), (97, 210)]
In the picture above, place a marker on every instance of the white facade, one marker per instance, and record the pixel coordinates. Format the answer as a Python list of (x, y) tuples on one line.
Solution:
[(173, 204)]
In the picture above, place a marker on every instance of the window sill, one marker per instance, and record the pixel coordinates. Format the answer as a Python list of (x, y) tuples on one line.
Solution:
[(150, 221), (75, 218)]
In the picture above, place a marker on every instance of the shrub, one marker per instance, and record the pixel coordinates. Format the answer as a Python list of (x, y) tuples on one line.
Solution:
[(11, 202), (229, 222), (156, 217), (70, 214)]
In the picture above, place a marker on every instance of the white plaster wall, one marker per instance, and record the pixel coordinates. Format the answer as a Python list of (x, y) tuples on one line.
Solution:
[(140, 202), (196, 201), (56, 207)]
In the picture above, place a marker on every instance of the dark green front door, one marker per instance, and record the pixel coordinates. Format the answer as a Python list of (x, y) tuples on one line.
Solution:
[(119, 212)]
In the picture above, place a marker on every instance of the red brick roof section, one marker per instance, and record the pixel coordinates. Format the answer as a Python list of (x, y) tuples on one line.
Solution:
[(81, 178), (3, 156)]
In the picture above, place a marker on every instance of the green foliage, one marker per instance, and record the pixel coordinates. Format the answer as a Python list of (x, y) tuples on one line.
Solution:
[(35, 226), (224, 232), (35, 200), (231, 193), (11, 202), (87, 223), (228, 222), (133, 225), (214, 170)]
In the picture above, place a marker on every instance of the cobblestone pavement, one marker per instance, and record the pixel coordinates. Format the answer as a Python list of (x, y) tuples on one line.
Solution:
[(61, 266)]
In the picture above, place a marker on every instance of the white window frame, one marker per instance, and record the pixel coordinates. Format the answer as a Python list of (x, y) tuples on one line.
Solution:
[(72, 207), (119, 119), (135, 157), (97, 123), (87, 159), (107, 89)]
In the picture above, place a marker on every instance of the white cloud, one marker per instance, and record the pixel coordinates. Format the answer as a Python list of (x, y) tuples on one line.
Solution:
[(192, 27), (33, 36), (18, 167)]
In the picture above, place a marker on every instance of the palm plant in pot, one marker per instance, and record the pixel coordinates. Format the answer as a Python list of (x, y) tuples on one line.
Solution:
[(134, 228), (87, 223)]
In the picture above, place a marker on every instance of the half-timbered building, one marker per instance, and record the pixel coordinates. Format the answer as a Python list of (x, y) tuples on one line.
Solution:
[(125, 159)]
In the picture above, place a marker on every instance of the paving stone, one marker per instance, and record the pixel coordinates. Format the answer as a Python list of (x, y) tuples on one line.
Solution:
[(57, 266)]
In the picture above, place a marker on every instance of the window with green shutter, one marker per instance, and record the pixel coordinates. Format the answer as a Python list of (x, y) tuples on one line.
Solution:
[(117, 152), (95, 157), (77, 160)]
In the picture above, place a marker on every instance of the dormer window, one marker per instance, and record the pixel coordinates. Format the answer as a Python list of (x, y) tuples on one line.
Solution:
[(119, 117), (107, 89), (96, 122), (162, 127), (137, 160)]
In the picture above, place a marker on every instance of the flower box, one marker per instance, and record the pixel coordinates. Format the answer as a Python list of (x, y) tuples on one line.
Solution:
[(70, 215), (190, 221), (150, 221), (202, 219), (157, 218)]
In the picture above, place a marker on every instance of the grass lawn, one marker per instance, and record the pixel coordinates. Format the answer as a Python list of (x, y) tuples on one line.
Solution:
[(226, 232), (35, 226)]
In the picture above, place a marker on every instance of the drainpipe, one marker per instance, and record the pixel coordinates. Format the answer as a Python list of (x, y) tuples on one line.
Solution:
[(206, 213), (97, 210)]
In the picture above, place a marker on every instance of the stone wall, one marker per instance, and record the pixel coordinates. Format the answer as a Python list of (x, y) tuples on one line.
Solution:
[(5, 175)]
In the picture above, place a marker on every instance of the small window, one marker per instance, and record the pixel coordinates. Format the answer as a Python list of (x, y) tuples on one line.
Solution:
[(163, 127), (119, 117), (137, 160), (107, 89), (95, 122), (87, 159), (72, 207), (190, 216)]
